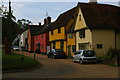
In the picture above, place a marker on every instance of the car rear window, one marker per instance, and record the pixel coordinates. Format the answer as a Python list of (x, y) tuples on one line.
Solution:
[(58, 50), (89, 53)]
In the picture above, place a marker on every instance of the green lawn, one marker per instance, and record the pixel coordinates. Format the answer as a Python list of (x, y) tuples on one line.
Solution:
[(13, 62)]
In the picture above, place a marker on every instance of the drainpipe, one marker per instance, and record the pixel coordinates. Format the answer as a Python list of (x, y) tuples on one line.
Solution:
[(75, 43), (115, 40)]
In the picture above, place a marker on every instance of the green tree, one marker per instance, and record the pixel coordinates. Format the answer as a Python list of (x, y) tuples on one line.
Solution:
[(24, 23)]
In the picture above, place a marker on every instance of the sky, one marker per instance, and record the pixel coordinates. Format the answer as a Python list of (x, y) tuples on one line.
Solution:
[(35, 10)]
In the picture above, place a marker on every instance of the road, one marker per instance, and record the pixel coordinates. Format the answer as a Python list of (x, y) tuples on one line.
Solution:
[(65, 68)]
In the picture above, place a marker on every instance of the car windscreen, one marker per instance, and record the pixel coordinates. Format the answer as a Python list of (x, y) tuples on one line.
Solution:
[(89, 53), (58, 50)]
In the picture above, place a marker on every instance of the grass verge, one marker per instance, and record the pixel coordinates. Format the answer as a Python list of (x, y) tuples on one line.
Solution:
[(14, 62)]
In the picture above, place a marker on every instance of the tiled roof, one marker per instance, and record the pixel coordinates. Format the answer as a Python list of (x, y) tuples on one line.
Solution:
[(97, 16), (101, 16), (63, 19), (34, 29)]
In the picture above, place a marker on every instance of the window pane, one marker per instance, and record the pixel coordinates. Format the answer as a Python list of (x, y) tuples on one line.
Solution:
[(82, 33), (70, 35), (51, 32), (99, 46), (73, 48), (62, 45), (59, 30)]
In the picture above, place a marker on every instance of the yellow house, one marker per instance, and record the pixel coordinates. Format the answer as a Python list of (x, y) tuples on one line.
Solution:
[(96, 26), (60, 29), (87, 26)]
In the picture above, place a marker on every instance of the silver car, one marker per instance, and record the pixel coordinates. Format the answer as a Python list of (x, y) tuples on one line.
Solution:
[(83, 56), (16, 48)]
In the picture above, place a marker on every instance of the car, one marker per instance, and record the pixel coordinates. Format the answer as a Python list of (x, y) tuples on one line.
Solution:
[(56, 53), (16, 48), (84, 56)]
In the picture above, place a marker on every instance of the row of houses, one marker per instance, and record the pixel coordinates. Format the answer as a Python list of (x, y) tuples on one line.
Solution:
[(86, 26)]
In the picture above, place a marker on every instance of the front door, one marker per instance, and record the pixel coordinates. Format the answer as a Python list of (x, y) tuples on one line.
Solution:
[(38, 47), (69, 50)]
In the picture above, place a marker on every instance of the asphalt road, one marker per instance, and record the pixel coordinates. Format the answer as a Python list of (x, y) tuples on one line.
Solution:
[(65, 68)]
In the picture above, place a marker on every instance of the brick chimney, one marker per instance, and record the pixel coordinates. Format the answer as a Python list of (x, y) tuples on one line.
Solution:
[(40, 24), (45, 21), (48, 20), (93, 1)]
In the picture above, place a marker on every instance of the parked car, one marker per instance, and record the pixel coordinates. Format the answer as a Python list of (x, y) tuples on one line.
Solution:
[(16, 48), (56, 53), (84, 56)]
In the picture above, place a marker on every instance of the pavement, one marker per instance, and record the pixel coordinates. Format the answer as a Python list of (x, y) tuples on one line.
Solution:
[(64, 68)]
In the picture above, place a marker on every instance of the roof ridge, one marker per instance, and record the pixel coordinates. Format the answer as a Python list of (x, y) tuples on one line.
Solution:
[(99, 4)]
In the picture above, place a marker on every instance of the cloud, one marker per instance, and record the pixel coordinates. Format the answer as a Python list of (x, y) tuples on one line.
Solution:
[(17, 5)]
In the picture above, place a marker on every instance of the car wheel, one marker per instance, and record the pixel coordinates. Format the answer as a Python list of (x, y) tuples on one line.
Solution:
[(73, 60), (53, 57), (48, 56), (81, 62)]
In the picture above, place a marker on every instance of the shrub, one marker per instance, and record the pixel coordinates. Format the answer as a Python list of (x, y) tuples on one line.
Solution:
[(110, 57)]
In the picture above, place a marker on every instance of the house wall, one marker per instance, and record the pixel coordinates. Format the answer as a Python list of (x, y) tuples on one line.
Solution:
[(30, 42), (118, 41), (23, 36), (87, 39), (56, 35), (57, 46), (80, 24), (105, 37), (42, 41), (47, 39), (70, 42), (57, 38)]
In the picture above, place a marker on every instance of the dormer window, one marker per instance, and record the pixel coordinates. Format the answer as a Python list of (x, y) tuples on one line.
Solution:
[(51, 32), (79, 17), (82, 33), (59, 30), (72, 17), (70, 35)]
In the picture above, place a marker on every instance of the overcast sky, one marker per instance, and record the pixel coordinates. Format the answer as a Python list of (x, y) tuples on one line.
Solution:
[(36, 11)]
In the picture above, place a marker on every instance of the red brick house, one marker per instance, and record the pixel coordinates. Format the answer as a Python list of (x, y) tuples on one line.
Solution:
[(31, 35), (38, 37), (41, 39)]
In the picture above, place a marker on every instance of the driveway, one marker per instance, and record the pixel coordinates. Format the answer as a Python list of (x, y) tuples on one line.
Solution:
[(64, 68)]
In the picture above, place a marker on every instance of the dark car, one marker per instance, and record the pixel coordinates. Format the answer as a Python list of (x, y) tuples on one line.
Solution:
[(56, 53)]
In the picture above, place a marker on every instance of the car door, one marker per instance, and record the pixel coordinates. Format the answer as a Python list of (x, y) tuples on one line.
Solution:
[(78, 55)]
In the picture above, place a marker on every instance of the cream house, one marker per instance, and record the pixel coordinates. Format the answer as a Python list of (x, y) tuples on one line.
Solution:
[(96, 27)]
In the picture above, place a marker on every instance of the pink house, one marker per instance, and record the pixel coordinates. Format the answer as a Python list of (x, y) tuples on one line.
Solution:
[(41, 39)]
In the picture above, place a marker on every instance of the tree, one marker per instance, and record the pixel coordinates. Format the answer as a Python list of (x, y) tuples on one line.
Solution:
[(24, 23), (10, 29)]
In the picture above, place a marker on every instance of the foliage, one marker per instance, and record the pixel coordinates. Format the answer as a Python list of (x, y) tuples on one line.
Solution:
[(7, 15), (14, 31), (110, 57), (13, 62), (24, 23)]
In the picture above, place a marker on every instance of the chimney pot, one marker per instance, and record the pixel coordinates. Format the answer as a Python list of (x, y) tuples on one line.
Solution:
[(40, 24), (45, 21), (49, 20), (93, 1)]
